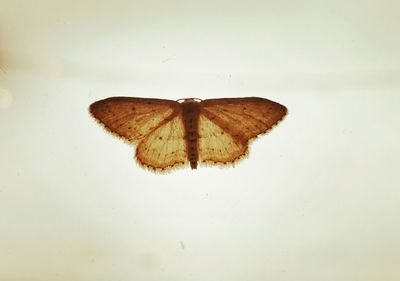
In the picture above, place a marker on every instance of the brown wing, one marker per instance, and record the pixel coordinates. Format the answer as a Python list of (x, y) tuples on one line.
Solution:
[(226, 125), (215, 145), (165, 147), (133, 118)]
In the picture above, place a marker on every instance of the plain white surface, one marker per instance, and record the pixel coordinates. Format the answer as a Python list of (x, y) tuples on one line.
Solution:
[(317, 199)]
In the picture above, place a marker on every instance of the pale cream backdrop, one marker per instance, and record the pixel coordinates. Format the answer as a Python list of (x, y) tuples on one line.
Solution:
[(317, 199)]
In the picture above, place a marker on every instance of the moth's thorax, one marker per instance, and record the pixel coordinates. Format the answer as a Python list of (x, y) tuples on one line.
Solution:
[(190, 116), (185, 100)]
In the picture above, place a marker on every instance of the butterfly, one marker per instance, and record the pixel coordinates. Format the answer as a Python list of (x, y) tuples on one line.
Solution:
[(170, 134)]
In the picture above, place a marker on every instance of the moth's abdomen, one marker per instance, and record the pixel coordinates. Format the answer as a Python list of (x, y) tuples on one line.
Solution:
[(190, 115)]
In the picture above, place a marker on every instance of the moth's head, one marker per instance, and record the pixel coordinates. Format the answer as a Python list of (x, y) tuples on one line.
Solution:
[(189, 100)]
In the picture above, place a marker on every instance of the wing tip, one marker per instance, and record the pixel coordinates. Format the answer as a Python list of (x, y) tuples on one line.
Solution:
[(107, 129), (273, 126)]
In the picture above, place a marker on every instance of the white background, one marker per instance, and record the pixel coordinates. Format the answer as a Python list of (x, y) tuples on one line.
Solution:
[(317, 199)]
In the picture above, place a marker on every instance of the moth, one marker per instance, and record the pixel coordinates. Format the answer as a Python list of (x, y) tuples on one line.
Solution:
[(169, 134)]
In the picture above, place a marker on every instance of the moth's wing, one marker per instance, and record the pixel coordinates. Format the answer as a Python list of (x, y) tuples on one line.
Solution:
[(165, 147), (133, 118), (226, 125), (215, 145), (243, 117)]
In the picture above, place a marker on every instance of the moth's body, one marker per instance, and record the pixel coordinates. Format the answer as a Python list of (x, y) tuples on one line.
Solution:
[(174, 133), (190, 117)]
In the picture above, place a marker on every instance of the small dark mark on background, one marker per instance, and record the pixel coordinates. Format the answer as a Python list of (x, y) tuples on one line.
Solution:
[(182, 245), (166, 60)]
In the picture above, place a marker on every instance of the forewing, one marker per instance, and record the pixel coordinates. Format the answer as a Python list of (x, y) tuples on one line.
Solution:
[(133, 118), (165, 147), (215, 145), (243, 118)]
